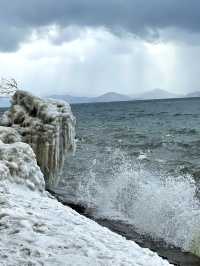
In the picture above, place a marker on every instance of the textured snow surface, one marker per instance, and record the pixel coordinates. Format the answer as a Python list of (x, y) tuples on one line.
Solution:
[(18, 164), (36, 229)]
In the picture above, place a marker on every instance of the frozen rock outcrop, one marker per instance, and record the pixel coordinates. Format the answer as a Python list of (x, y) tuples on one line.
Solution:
[(48, 126)]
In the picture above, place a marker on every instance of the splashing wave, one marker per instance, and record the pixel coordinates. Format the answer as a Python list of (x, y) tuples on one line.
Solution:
[(162, 206)]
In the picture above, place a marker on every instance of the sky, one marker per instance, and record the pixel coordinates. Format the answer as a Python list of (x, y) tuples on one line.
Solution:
[(90, 47)]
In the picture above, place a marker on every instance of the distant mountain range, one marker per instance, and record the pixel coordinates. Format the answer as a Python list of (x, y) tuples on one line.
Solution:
[(194, 94), (107, 97), (116, 97), (156, 94), (70, 98)]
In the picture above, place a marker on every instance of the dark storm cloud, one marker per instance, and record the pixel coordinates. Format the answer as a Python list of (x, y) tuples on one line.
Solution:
[(140, 17)]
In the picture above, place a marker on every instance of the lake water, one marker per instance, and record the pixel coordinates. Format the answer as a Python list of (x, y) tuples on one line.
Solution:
[(139, 162)]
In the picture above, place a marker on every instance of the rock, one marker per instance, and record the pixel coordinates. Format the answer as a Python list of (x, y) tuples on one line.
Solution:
[(48, 126)]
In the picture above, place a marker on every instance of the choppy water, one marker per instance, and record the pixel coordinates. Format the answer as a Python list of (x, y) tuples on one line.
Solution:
[(140, 162)]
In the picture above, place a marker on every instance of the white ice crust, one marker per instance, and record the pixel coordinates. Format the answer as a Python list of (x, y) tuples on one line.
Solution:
[(37, 230)]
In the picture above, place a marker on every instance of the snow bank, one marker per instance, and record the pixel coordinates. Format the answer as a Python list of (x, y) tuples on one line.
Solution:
[(48, 126), (37, 230)]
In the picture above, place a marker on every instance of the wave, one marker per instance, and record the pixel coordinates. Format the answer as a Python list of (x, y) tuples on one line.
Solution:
[(184, 131), (162, 206)]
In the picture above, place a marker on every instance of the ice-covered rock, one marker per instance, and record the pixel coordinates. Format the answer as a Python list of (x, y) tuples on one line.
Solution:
[(48, 126), (9, 135), (17, 161)]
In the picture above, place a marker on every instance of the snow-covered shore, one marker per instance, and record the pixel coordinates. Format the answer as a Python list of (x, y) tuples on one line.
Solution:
[(38, 230), (35, 229)]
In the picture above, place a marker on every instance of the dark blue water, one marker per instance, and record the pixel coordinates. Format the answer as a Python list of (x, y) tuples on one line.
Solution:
[(167, 132)]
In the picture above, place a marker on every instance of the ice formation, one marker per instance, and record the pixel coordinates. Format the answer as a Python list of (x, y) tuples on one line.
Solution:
[(18, 162), (48, 126)]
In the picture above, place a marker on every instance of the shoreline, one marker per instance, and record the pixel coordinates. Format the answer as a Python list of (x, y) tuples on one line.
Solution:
[(173, 254)]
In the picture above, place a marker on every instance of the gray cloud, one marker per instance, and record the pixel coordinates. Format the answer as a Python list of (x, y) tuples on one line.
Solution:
[(140, 17)]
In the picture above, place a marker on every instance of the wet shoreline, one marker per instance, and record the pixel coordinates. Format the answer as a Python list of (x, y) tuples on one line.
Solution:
[(173, 254)]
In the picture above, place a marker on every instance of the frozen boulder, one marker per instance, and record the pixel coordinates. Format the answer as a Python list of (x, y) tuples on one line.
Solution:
[(48, 126)]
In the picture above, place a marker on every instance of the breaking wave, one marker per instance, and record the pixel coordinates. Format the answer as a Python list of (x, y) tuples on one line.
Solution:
[(162, 206)]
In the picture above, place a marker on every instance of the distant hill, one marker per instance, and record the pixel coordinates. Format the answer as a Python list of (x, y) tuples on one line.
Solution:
[(111, 97), (107, 97), (4, 102), (117, 97), (71, 99), (193, 94), (156, 94)]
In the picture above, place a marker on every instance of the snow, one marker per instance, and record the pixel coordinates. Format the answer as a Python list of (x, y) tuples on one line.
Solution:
[(37, 230), (18, 165), (9, 135)]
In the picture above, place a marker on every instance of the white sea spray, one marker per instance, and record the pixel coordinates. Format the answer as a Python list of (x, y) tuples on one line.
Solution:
[(161, 206)]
